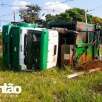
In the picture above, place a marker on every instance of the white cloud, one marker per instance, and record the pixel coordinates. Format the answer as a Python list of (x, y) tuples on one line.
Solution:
[(54, 8), (20, 4), (17, 5)]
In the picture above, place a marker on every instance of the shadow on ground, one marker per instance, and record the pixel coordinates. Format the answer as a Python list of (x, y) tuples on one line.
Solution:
[(1, 64)]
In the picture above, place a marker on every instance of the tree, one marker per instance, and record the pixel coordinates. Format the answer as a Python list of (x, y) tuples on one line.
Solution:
[(97, 20), (49, 18), (30, 14), (68, 15), (77, 13)]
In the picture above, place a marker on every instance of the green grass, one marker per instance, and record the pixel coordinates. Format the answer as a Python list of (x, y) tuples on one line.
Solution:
[(51, 86)]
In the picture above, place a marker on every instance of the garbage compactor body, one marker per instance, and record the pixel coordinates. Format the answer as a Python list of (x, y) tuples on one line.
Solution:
[(79, 42), (100, 46), (87, 43), (84, 42), (33, 48)]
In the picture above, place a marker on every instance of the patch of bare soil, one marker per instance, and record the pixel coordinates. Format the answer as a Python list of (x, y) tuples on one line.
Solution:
[(90, 65)]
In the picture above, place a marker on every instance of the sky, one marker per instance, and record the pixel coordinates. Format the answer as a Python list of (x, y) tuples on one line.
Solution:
[(8, 7)]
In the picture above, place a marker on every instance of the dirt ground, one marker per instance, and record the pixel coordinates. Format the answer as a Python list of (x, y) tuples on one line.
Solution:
[(90, 65)]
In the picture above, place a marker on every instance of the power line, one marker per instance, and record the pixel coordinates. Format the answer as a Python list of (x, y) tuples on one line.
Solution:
[(93, 9), (8, 5), (86, 11), (66, 1), (2, 4), (36, 2), (57, 4), (99, 6)]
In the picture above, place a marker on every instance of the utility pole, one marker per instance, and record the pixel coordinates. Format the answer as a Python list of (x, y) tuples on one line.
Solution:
[(86, 16), (14, 16), (86, 11)]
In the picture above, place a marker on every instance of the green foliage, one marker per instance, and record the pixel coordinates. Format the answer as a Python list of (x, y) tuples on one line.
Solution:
[(97, 20), (30, 14), (68, 15), (77, 13)]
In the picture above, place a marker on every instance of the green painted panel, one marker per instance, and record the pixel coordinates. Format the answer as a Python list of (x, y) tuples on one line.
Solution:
[(14, 49), (90, 50), (84, 49), (44, 49), (23, 24), (80, 44), (90, 53), (6, 44)]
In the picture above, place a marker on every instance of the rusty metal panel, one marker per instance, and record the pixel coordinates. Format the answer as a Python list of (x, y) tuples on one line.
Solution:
[(85, 27), (66, 54)]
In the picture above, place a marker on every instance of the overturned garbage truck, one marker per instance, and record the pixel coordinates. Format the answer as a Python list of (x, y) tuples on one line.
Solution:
[(27, 47), (79, 42)]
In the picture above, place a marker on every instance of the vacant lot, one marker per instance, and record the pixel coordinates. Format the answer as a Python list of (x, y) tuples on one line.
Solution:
[(52, 86)]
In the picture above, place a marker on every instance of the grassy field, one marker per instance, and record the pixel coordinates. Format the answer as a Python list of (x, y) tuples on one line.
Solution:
[(52, 86)]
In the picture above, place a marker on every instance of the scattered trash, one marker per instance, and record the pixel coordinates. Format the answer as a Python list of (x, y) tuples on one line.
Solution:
[(83, 72)]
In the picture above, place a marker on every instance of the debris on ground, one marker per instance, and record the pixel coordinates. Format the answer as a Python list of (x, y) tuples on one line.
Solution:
[(86, 68), (76, 74), (90, 65)]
